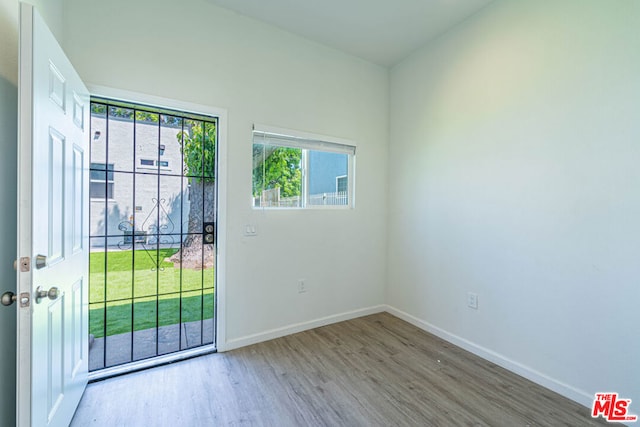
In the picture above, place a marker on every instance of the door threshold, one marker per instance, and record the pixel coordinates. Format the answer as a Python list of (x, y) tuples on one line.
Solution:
[(114, 371)]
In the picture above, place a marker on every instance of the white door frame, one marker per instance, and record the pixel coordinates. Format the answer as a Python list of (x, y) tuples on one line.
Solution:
[(221, 182)]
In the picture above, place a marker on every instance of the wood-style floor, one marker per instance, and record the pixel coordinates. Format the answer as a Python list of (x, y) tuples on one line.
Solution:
[(372, 371)]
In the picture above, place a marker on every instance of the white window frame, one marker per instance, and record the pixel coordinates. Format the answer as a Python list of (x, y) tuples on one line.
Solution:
[(310, 142)]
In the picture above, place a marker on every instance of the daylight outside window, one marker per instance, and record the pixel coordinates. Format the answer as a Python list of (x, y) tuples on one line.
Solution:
[(295, 171)]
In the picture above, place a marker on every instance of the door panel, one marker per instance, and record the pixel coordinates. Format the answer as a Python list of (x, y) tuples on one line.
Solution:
[(55, 353), (77, 321), (77, 202), (56, 196), (52, 229)]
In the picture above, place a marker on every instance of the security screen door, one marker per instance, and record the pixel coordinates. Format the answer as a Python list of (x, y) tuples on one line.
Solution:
[(152, 192)]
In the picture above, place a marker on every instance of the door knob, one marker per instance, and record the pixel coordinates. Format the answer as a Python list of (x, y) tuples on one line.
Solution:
[(8, 298), (52, 293)]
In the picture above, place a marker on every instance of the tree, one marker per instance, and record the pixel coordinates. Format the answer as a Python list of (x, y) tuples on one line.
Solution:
[(277, 167), (198, 150)]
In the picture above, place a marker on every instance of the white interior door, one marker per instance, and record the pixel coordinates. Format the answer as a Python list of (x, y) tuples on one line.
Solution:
[(52, 229)]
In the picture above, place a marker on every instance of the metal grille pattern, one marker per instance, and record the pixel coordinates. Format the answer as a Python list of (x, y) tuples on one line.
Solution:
[(152, 191)]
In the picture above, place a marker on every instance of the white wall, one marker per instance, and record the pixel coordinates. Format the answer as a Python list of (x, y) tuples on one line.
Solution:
[(193, 51), (515, 141), (8, 183)]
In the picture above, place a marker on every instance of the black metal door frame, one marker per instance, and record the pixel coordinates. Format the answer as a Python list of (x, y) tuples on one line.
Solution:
[(150, 232)]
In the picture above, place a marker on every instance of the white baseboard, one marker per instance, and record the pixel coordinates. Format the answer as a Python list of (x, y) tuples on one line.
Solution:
[(559, 387), (298, 327)]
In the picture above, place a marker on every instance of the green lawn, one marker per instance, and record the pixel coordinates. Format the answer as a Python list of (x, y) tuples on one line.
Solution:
[(111, 278)]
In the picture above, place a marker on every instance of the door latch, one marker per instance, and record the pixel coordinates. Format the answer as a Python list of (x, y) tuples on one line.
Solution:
[(25, 299)]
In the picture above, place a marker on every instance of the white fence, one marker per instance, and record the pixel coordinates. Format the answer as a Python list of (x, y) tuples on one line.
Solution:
[(329, 199), (271, 199)]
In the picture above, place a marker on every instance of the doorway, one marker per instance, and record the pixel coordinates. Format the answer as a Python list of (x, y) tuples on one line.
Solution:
[(153, 216)]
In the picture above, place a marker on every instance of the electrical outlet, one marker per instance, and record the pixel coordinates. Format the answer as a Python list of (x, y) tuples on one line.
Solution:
[(302, 286), (472, 300)]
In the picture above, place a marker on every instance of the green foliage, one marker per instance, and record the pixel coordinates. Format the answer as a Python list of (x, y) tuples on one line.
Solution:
[(140, 115), (199, 149), (98, 109), (281, 168), (178, 288), (116, 282), (194, 308)]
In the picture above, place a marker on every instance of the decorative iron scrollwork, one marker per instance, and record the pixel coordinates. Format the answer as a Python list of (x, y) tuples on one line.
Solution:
[(152, 235)]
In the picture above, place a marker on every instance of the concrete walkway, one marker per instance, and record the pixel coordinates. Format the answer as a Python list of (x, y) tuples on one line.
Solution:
[(148, 343)]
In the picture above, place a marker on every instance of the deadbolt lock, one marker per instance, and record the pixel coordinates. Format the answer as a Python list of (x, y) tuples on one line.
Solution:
[(41, 261), (209, 232)]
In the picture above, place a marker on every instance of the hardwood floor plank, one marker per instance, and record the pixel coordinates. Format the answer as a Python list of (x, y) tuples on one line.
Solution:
[(373, 371)]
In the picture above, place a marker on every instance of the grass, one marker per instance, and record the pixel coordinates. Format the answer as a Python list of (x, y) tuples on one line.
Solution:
[(145, 297)]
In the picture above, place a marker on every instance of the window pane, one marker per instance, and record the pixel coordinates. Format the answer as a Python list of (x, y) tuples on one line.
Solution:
[(277, 176), (101, 184), (300, 171), (326, 188), (100, 190), (341, 184), (97, 190)]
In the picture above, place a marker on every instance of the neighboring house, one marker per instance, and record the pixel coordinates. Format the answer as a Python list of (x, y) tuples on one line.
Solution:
[(159, 203), (328, 172)]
